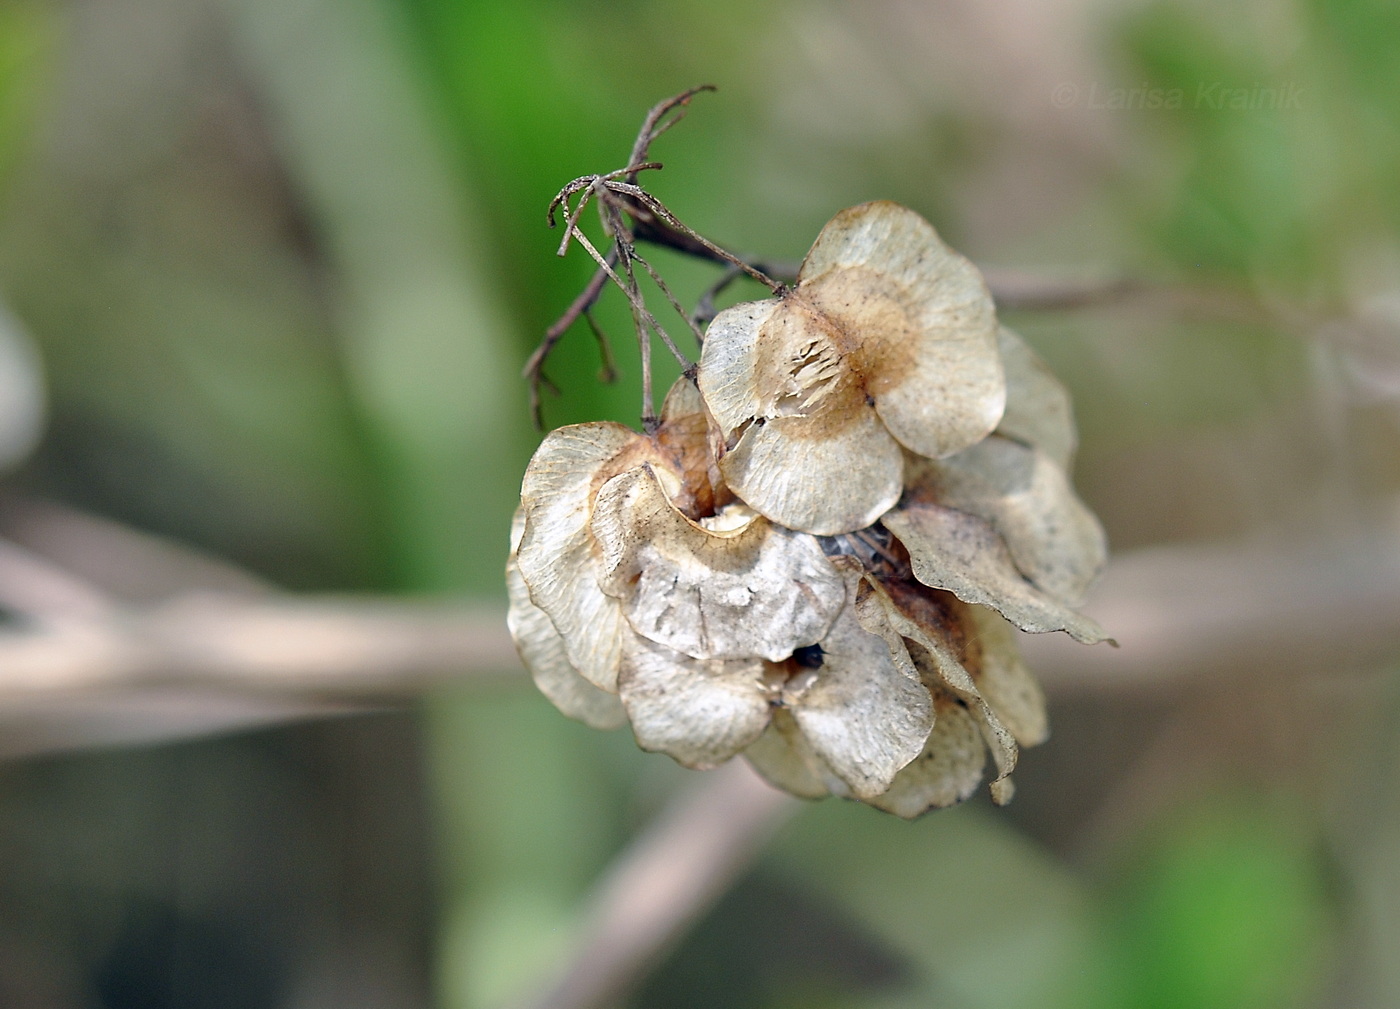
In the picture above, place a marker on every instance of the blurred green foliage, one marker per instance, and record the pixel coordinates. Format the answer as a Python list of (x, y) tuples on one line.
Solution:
[(1241, 203), (29, 35), (1225, 909), (1288, 189)]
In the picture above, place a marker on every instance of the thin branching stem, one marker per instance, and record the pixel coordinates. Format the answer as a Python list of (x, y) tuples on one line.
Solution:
[(616, 225), (660, 210), (533, 372), (634, 297), (665, 290), (642, 319), (653, 125), (608, 370), (620, 202), (571, 219), (686, 363), (624, 255)]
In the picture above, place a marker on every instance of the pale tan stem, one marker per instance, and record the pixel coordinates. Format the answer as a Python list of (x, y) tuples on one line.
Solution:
[(664, 880)]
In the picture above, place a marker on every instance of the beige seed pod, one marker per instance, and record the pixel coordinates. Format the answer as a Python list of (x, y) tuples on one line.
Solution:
[(1055, 541), (889, 339)]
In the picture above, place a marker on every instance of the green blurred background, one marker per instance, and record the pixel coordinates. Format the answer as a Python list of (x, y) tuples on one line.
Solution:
[(282, 261)]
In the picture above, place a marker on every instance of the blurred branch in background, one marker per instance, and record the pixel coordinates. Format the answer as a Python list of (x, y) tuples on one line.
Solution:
[(663, 881), (1318, 605), (118, 637), (105, 614)]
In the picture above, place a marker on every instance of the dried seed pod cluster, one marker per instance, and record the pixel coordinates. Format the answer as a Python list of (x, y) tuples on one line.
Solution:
[(817, 557)]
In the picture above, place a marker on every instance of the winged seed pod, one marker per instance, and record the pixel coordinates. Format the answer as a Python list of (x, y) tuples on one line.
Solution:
[(888, 341), (819, 557)]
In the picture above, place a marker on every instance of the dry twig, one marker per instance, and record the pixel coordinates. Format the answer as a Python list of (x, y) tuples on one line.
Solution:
[(630, 214), (665, 879), (1311, 608), (119, 636), (1298, 608)]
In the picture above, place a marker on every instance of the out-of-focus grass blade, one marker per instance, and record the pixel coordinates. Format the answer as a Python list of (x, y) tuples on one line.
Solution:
[(523, 821), (425, 338)]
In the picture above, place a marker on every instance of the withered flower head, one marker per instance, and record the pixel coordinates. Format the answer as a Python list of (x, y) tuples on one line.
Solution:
[(880, 664), (888, 340), (818, 554)]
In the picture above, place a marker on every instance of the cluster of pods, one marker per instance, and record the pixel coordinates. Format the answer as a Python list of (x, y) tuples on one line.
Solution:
[(819, 555)]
